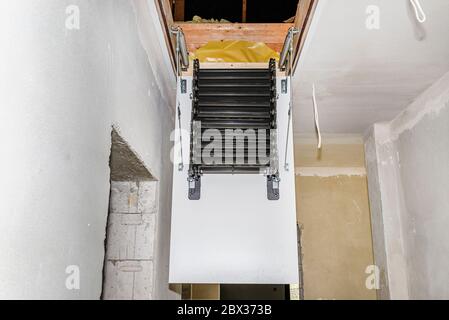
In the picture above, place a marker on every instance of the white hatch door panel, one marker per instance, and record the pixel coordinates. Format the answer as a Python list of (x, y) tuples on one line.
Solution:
[(234, 234)]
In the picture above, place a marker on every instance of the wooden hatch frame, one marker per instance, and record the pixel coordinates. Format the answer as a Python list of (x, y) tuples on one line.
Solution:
[(272, 34)]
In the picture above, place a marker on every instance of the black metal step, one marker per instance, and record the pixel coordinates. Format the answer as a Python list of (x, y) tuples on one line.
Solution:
[(235, 84), (245, 135), (235, 90), (238, 146), (241, 153), (234, 73), (235, 124), (233, 113), (217, 93), (234, 77), (233, 169), (237, 159), (230, 102), (233, 70)]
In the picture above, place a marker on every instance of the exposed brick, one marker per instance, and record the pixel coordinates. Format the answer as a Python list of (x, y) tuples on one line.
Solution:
[(124, 197), (128, 280), (147, 201)]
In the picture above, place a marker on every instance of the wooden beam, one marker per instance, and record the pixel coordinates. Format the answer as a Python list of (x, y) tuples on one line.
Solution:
[(179, 10), (198, 34), (230, 65), (244, 6), (166, 19), (303, 19)]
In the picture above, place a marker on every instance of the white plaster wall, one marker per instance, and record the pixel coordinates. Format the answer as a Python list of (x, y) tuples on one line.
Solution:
[(60, 92), (386, 227), (361, 75), (413, 174)]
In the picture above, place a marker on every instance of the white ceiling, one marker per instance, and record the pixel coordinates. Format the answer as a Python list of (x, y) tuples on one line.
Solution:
[(364, 76)]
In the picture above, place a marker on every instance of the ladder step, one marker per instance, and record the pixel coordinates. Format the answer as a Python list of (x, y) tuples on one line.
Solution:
[(233, 110), (217, 113), (241, 169), (235, 73), (254, 102), (235, 90), (253, 70), (235, 146), (234, 94), (234, 82), (245, 134), (210, 84), (235, 124)]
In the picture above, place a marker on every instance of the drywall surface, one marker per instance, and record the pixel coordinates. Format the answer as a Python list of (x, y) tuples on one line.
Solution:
[(413, 174), (333, 213), (61, 90), (366, 72)]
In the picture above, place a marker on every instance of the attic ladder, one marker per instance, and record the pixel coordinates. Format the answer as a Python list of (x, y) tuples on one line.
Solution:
[(233, 125)]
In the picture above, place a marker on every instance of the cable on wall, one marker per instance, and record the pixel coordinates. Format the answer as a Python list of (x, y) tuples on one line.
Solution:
[(419, 12), (317, 120)]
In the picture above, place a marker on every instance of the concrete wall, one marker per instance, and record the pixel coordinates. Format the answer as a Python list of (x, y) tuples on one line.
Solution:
[(129, 264), (333, 213), (61, 90), (408, 167)]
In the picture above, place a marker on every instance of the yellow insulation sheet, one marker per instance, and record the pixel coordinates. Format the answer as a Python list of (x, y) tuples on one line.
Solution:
[(234, 51)]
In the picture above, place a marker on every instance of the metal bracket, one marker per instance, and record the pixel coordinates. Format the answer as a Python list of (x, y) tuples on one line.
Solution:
[(182, 54), (290, 104), (194, 188), (183, 86), (284, 85), (273, 187), (181, 164)]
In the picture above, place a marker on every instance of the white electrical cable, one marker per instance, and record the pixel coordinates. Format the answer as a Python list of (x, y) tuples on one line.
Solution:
[(419, 12), (317, 120)]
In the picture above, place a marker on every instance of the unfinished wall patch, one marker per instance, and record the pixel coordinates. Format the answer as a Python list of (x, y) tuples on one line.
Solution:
[(131, 228), (125, 164)]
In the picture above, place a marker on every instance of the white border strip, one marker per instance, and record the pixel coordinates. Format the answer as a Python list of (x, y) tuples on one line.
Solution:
[(309, 138), (329, 171)]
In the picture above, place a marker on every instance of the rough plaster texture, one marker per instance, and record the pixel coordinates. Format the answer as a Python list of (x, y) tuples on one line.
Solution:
[(409, 178), (124, 163), (336, 236), (60, 92), (333, 211)]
